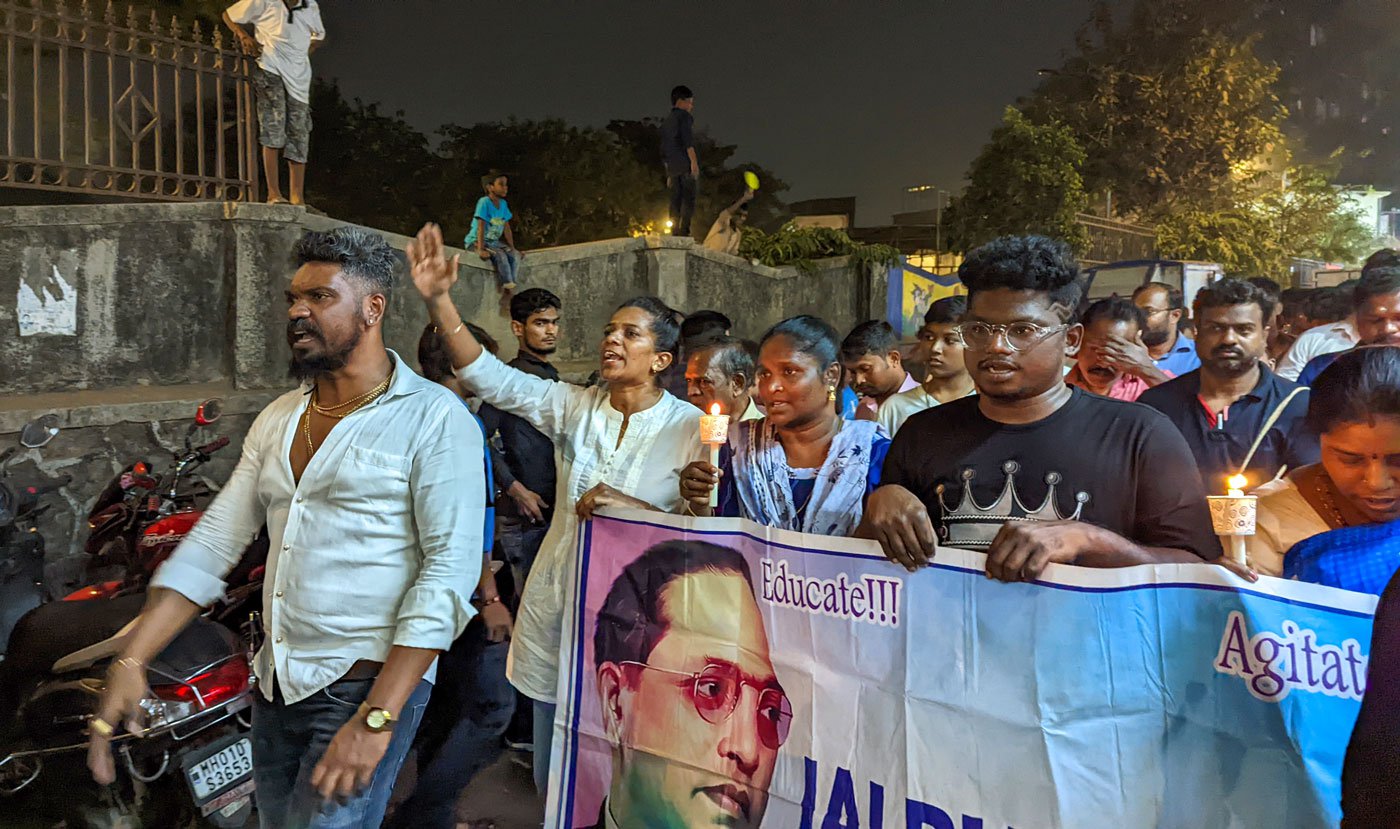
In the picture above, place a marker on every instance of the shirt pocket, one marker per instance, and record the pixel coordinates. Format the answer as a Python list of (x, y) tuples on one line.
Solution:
[(371, 480)]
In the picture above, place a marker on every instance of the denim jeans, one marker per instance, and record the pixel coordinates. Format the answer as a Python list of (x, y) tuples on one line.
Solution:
[(544, 743), (520, 543), (682, 202), (506, 262), (289, 740), (461, 734)]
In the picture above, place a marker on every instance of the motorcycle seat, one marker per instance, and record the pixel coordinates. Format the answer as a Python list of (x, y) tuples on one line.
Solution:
[(53, 631)]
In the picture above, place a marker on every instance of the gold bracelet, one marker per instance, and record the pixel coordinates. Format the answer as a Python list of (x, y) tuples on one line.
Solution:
[(133, 661), (463, 324)]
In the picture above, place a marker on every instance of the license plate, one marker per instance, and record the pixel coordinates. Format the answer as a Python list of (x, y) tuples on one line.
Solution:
[(226, 767)]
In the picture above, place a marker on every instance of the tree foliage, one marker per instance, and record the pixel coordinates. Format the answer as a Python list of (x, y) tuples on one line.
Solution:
[(1165, 107), (369, 166), (1178, 121), (1258, 235), (1026, 180), (802, 246), (569, 184)]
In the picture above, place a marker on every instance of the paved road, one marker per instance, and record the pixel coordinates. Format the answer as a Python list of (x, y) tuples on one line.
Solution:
[(503, 794)]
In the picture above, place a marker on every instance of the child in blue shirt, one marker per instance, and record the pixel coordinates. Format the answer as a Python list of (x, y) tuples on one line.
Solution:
[(490, 232)]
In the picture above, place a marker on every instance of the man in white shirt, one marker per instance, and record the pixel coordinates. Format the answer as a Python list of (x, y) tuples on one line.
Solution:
[(728, 230), (371, 482), (1324, 339), (286, 32)]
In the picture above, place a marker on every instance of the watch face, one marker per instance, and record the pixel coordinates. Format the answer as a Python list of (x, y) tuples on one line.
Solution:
[(376, 719)]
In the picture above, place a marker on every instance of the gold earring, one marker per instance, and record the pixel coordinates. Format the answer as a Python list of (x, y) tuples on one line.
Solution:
[(831, 393)]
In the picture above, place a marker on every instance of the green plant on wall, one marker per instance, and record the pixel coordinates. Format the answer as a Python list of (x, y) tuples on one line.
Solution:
[(802, 246)]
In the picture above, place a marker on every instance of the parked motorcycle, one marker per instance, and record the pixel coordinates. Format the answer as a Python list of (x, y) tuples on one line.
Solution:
[(21, 545), (139, 518), (193, 761)]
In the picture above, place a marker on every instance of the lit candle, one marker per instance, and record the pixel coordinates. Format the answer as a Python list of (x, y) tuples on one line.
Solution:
[(1234, 516), (714, 433)]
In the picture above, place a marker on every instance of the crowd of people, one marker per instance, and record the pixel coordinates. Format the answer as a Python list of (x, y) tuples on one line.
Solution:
[(1043, 430), (1025, 422)]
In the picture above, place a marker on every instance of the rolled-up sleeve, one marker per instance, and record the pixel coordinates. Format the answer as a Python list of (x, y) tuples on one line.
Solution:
[(539, 401), (448, 487), (197, 568)]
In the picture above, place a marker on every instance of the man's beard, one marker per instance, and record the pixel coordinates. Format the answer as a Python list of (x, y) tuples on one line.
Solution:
[(1232, 364), (308, 367), (1153, 337)]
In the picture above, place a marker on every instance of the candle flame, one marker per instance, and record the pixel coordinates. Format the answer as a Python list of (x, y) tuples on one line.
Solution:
[(1236, 481), (714, 410)]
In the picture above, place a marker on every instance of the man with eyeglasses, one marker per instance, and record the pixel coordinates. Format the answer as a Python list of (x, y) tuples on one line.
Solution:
[(690, 701), (1163, 351), (1032, 470)]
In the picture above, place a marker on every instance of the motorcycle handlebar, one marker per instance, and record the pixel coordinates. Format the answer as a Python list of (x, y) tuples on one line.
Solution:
[(214, 446)]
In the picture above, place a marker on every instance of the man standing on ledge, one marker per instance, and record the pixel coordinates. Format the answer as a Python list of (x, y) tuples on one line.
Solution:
[(678, 154), (287, 32), (371, 482)]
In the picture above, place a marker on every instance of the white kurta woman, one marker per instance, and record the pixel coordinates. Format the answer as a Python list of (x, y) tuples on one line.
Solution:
[(622, 443)]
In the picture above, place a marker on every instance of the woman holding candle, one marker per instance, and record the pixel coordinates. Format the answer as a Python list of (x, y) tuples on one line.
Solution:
[(802, 467), (1355, 408), (620, 443)]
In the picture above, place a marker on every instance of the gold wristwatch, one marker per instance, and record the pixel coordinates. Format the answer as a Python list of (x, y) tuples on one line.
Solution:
[(377, 720)]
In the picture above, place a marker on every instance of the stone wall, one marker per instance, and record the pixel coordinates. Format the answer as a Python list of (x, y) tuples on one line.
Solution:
[(176, 303)]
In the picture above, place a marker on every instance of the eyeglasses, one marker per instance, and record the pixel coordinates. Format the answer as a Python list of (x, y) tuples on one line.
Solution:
[(1020, 336), (715, 692)]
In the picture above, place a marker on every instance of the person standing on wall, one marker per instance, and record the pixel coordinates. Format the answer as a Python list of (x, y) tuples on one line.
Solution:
[(678, 154), (286, 33)]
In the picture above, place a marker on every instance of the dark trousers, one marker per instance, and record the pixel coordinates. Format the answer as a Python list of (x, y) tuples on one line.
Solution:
[(289, 741), (519, 542), (461, 734), (682, 203)]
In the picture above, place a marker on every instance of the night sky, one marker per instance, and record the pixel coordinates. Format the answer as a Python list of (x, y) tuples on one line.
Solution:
[(859, 97)]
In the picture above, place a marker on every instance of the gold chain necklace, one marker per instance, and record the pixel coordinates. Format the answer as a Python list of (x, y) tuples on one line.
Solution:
[(364, 400), (358, 402), (1324, 495)]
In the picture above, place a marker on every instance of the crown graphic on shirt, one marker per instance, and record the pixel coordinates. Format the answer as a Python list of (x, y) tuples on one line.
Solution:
[(973, 526)]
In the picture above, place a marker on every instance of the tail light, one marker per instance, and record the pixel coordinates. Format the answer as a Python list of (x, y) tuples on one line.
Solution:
[(220, 684)]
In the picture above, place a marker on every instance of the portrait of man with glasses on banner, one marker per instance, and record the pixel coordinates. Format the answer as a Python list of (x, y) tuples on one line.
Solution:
[(691, 705)]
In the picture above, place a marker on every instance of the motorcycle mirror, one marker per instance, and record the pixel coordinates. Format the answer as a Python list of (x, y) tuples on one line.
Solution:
[(209, 411), (37, 433)]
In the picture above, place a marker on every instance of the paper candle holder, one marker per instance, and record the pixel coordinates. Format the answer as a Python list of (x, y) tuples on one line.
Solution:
[(1233, 514)]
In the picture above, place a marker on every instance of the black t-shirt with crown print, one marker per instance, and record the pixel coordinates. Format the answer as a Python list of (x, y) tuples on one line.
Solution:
[(1120, 465)]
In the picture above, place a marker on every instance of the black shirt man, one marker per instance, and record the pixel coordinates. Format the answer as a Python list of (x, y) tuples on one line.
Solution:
[(1032, 470)]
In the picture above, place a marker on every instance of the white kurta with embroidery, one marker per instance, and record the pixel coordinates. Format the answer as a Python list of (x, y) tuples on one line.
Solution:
[(584, 426)]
